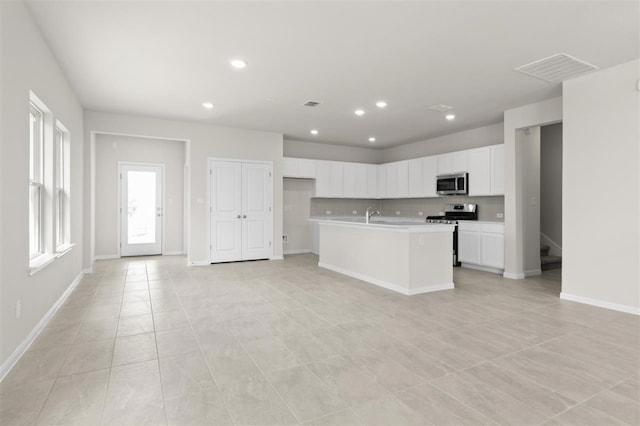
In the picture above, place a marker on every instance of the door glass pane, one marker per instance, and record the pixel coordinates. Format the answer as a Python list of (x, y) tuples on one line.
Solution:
[(141, 208)]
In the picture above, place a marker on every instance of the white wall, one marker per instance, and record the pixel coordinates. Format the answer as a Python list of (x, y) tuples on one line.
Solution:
[(468, 139), (322, 151), (111, 149), (203, 141), (529, 141), (551, 187), (297, 205), (27, 64), (531, 115), (601, 178)]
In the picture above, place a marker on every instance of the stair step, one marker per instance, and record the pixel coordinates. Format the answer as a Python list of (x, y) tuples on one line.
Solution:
[(550, 262), (544, 250)]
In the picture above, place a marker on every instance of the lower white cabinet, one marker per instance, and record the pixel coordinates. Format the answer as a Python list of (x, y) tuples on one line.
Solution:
[(481, 244)]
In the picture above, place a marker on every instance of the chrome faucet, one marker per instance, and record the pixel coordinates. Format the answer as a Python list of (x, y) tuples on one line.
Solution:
[(369, 213)]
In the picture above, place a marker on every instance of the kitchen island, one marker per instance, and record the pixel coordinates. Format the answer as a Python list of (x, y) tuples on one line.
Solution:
[(409, 257)]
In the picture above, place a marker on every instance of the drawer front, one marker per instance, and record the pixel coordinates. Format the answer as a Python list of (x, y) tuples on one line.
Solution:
[(469, 226), (494, 228)]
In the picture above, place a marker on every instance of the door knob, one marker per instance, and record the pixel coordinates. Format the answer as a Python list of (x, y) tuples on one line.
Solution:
[(238, 216), (244, 216)]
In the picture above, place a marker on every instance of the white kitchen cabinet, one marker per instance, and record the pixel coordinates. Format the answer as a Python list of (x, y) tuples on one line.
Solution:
[(479, 168), (497, 169), (298, 168), (429, 173), (323, 175), (469, 243), (382, 181), (452, 162), (481, 245), (493, 249), (372, 180), (391, 187), (402, 178), (349, 180), (336, 179), (362, 184), (415, 178)]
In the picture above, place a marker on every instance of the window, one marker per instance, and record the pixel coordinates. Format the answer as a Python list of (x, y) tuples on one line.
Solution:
[(49, 177), (36, 182), (62, 187)]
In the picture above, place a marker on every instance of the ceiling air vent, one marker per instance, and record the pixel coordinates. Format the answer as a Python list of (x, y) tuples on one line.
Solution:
[(441, 107), (557, 68), (311, 104)]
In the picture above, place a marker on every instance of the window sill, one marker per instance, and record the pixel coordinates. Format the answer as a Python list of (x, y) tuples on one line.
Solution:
[(40, 262), (63, 249)]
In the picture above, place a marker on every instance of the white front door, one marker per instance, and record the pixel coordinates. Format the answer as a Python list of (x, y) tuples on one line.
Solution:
[(241, 216), (140, 209)]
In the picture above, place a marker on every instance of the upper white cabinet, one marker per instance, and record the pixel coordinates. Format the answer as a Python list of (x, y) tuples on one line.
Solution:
[(497, 169), (372, 180), (336, 179), (479, 168), (323, 174), (414, 178), (452, 162), (429, 173), (349, 180), (299, 168)]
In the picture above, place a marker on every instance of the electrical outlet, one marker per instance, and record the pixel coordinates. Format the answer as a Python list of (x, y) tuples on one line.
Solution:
[(328, 211), (441, 213), (397, 212), (354, 211), (500, 215), (18, 309), (420, 213), (285, 238)]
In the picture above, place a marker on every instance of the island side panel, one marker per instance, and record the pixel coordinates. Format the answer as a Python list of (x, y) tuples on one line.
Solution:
[(431, 261), (378, 257)]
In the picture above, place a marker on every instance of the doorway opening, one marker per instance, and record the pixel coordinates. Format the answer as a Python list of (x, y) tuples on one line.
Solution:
[(141, 209)]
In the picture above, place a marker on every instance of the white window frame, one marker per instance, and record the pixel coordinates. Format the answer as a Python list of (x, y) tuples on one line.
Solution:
[(62, 195), (36, 182)]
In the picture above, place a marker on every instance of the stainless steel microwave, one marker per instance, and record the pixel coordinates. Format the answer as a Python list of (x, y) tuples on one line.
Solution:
[(453, 184)]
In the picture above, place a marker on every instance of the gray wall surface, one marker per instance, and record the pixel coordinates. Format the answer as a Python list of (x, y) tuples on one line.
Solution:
[(551, 184)]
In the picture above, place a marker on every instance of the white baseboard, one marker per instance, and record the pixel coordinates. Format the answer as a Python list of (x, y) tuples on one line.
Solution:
[(513, 276), (300, 251), (600, 303), (6, 367), (533, 273), (482, 268), (387, 285), (200, 263), (88, 270), (106, 257), (276, 257), (173, 253)]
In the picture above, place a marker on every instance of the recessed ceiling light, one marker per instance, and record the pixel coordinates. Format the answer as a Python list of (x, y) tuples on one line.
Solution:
[(359, 112), (381, 104), (314, 132), (207, 105), (450, 116), (238, 63), (372, 139)]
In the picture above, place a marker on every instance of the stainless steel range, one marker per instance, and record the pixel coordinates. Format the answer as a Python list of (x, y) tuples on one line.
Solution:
[(452, 214)]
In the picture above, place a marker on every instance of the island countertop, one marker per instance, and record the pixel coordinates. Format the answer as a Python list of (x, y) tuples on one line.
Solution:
[(394, 224)]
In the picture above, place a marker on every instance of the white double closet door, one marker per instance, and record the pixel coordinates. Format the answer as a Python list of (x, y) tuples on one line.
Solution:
[(241, 217)]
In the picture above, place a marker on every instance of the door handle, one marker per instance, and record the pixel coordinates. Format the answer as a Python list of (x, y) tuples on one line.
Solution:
[(244, 216), (238, 216)]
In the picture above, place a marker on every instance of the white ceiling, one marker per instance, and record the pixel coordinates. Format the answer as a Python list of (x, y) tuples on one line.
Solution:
[(165, 58)]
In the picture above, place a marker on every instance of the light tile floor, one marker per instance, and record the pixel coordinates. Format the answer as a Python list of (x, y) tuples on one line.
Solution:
[(151, 341)]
